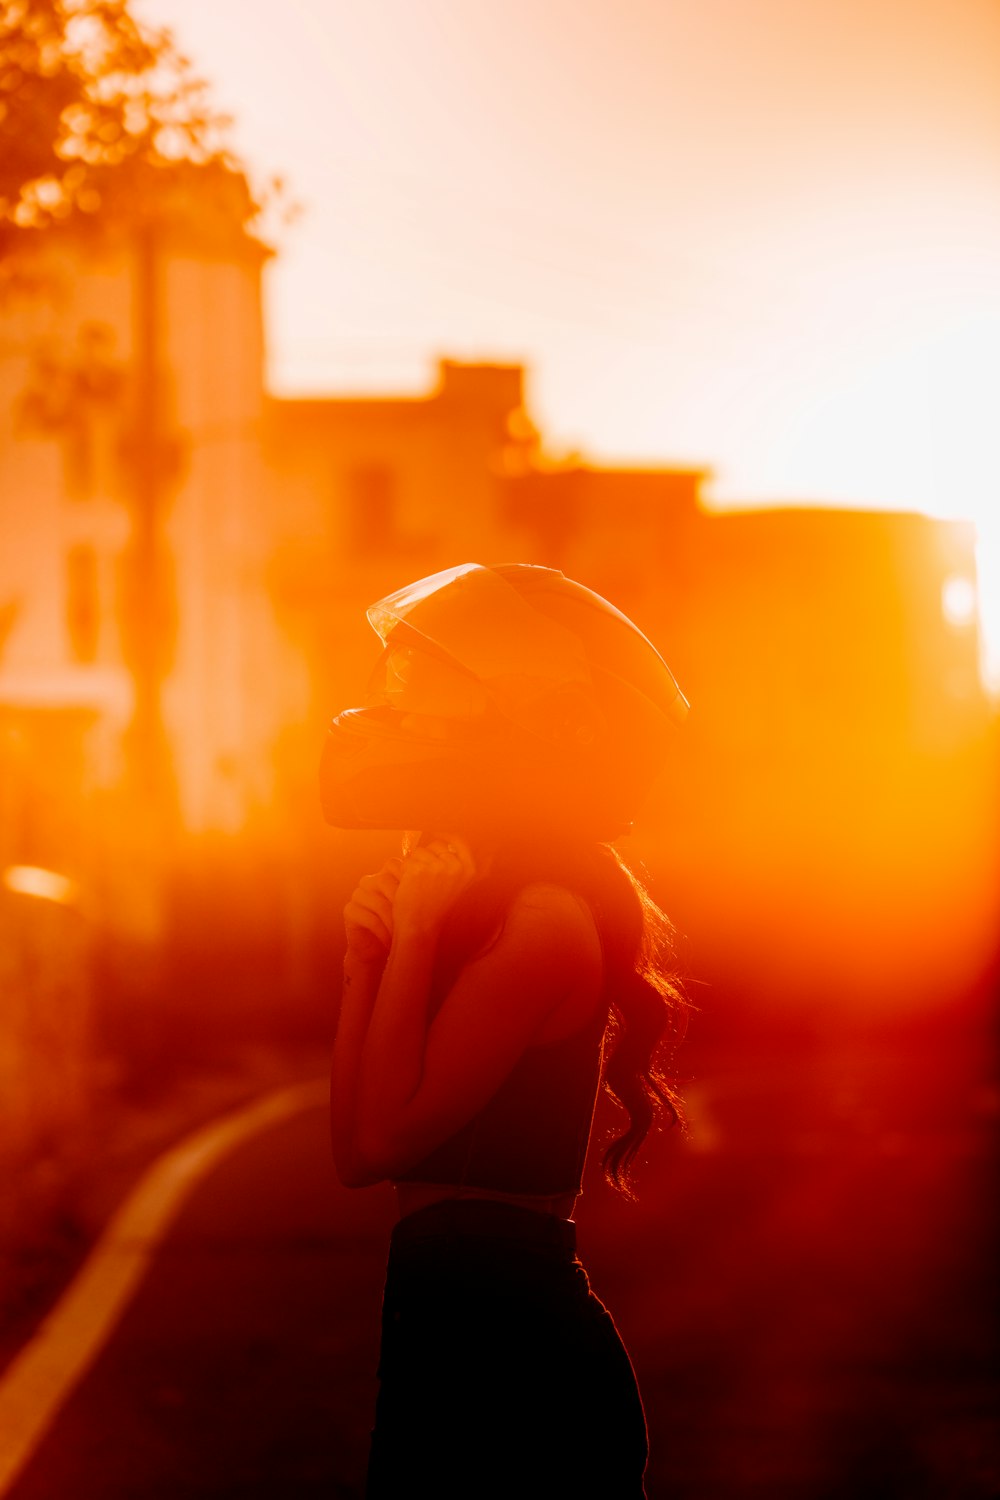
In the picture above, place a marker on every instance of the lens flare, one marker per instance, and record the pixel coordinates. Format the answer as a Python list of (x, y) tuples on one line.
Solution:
[(988, 569), (44, 885)]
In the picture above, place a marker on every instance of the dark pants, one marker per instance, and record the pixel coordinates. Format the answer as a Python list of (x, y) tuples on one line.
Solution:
[(501, 1373)]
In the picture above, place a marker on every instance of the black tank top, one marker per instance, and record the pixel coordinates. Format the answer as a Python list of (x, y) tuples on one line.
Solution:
[(532, 1135)]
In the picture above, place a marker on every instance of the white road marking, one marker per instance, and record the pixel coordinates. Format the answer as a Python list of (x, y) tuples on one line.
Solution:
[(66, 1343)]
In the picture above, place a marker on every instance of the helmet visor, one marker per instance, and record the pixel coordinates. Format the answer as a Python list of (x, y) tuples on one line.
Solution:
[(413, 681), (484, 626)]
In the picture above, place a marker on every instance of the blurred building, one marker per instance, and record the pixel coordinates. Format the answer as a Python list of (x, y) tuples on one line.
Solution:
[(367, 493), (134, 621), (187, 559), (131, 499)]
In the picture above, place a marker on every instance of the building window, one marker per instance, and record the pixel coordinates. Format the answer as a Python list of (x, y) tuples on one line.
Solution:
[(372, 507), (83, 617)]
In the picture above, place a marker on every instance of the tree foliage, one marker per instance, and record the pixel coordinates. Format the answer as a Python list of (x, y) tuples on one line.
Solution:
[(92, 105)]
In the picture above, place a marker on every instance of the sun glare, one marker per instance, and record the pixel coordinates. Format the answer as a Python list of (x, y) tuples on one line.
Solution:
[(967, 465), (958, 601), (988, 569), (906, 421)]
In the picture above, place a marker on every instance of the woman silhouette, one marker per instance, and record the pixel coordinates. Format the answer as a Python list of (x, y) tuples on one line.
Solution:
[(515, 721)]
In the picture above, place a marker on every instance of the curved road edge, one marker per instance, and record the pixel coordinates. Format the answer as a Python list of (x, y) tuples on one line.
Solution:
[(70, 1337)]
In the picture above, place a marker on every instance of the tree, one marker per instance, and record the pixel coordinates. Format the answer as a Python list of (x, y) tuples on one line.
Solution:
[(96, 109)]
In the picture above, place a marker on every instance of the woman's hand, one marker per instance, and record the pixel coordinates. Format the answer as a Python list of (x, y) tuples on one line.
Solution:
[(434, 875), (368, 916)]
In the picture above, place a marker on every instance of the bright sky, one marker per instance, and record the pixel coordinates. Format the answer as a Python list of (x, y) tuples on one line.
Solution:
[(760, 235)]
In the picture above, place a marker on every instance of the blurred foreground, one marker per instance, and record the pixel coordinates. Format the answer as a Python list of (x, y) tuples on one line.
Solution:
[(806, 1290)]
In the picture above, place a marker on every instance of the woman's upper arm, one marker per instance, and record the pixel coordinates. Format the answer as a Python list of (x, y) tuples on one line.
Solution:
[(548, 949)]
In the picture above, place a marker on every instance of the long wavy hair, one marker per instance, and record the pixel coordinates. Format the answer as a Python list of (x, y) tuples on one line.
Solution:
[(647, 1009)]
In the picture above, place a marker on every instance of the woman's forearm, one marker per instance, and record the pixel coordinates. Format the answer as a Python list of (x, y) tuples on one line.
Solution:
[(357, 1001), (392, 1056)]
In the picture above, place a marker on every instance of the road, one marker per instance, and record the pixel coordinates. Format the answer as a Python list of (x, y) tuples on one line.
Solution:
[(807, 1309), (244, 1363)]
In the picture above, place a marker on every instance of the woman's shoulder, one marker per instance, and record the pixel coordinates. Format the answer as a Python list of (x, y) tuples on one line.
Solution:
[(555, 913), (558, 924), (555, 899)]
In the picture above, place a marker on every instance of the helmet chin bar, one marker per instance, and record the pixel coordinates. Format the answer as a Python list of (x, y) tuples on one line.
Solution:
[(480, 782)]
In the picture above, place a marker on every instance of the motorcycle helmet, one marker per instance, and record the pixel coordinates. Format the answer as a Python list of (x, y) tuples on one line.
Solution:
[(506, 698)]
